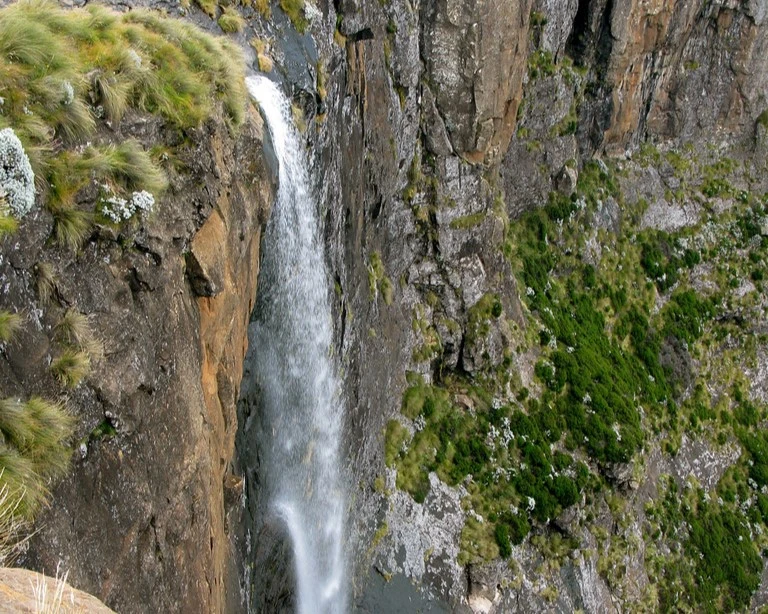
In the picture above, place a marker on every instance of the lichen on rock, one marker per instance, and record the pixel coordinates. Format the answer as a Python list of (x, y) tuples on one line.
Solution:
[(17, 180)]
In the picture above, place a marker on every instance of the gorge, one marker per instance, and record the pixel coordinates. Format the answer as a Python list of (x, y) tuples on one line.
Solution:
[(469, 318)]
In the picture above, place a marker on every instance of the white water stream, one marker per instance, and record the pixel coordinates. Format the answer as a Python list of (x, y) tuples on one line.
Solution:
[(300, 400)]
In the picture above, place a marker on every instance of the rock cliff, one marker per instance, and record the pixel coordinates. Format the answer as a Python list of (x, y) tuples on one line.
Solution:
[(171, 300), (439, 130)]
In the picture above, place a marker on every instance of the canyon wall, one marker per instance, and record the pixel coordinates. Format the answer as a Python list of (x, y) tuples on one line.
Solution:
[(432, 127)]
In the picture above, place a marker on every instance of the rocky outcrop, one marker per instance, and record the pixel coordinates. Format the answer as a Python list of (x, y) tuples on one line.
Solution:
[(27, 592), (474, 56), (676, 71)]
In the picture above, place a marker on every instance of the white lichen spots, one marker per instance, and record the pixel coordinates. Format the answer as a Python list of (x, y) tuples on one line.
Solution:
[(143, 201), (17, 180), (312, 13), (118, 209), (69, 92), (134, 57)]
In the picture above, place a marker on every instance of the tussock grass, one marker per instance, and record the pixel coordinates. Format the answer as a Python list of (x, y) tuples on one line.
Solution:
[(26, 489), (45, 281), (33, 450), (295, 11), (52, 427), (113, 95), (16, 424), (126, 164), (63, 69), (71, 226), (10, 325), (263, 7), (71, 367), (75, 329), (12, 527), (8, 225), (231, 21), (208, 7)]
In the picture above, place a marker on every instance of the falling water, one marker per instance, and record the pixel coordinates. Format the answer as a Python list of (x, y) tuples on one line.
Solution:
[(302, 410)]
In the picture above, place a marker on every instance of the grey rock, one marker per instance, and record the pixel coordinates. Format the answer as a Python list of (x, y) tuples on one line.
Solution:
[(566, 179)]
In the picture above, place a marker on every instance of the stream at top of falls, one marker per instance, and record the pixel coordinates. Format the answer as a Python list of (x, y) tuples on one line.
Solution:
[(301, 405)]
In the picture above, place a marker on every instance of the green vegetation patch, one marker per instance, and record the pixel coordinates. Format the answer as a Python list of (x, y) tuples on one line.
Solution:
[(295, 11), (502, 456), (719, 566)]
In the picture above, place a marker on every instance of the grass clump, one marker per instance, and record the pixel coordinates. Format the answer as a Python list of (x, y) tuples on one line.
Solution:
[(295, 11), (11, 526), (71, 367), (33, 451), (71, 226), (75, 329), (128, 166), (467, 221), (263, 7), (231, 21), (45, 281), (62, 70), (208, 7), (10, 325), (378, 282), (263, 58), (8, 224)]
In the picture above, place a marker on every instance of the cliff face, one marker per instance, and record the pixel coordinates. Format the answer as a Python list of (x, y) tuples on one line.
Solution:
[(140, 522), (433, 129), (449, 131)]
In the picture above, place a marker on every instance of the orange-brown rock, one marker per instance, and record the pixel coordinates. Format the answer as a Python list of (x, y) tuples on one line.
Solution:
[(28, 592)]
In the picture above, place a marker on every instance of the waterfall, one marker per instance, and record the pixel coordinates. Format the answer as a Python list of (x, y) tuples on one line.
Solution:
[(299, 439)]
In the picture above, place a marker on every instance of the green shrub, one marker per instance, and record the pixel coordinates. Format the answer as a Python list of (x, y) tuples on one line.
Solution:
[(686, 314), (727, 562), (659, 262), (502, 540)]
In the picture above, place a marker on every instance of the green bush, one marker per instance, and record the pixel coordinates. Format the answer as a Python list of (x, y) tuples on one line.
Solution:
[(686, 315), (502, 540), (727, 562)]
